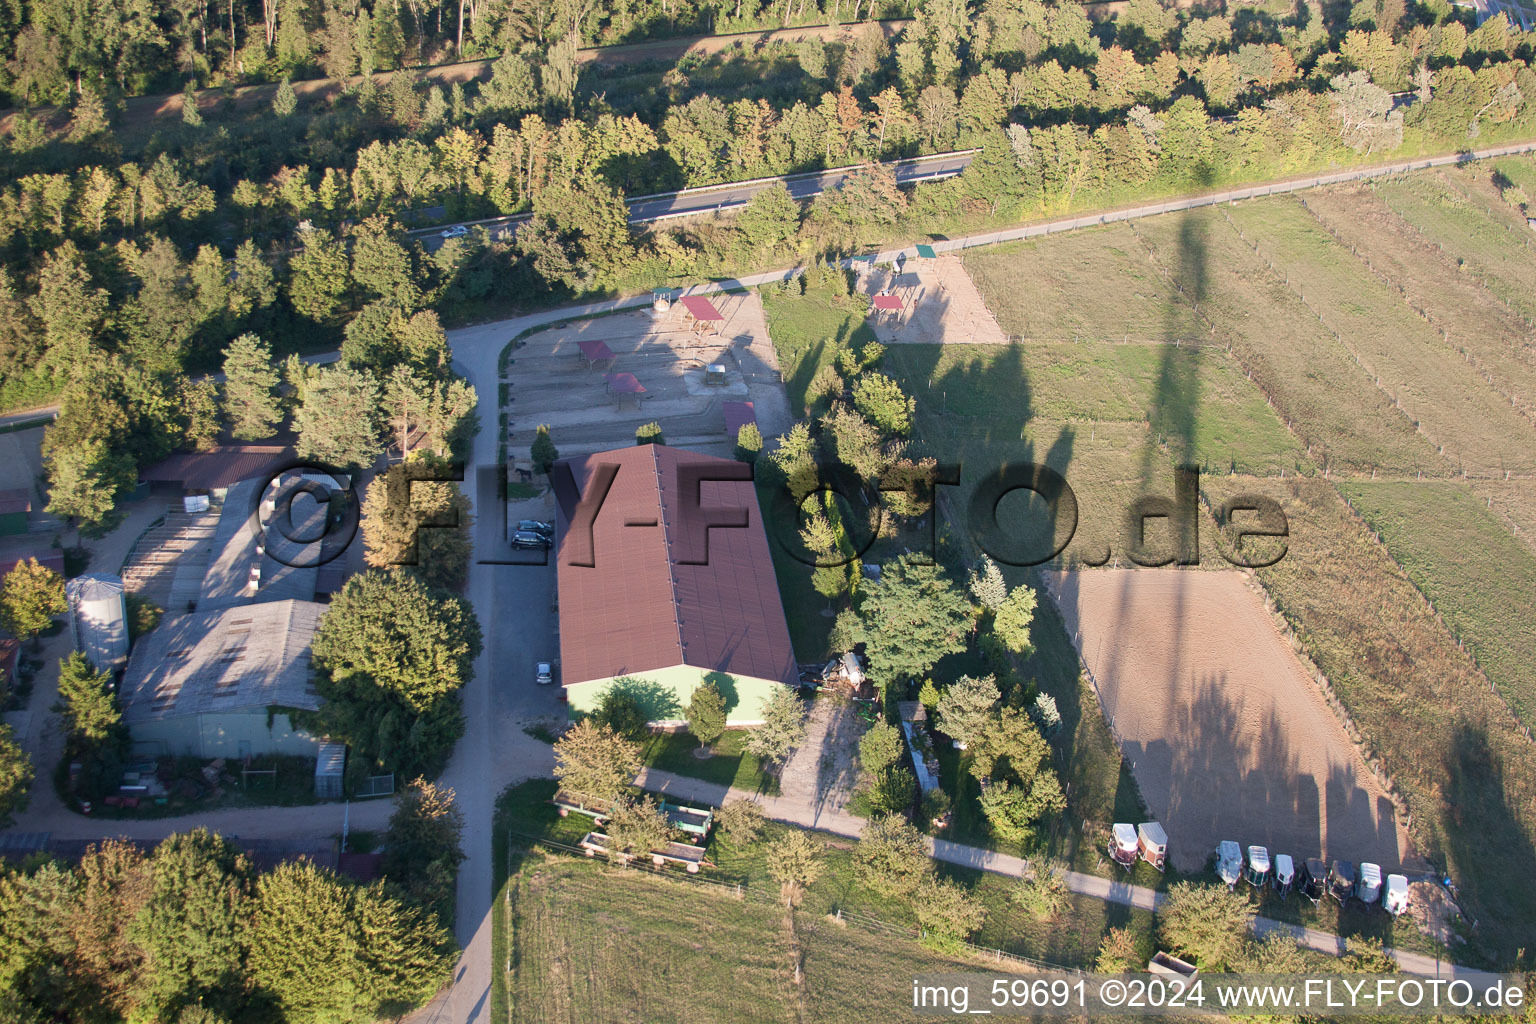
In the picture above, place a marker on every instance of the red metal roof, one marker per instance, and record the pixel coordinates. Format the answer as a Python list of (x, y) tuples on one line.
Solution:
[(701, 308), (638, 607), (887, 302), (595, 350), (221, 467), (737, 415), (624, 384), (15, 501)]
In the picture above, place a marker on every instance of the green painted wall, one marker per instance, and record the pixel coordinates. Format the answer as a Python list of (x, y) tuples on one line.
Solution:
[(220, 735), (664, 694), (13, 523)]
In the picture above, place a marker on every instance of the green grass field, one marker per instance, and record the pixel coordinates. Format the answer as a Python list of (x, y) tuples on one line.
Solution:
[(1473, 320), (1468, 563), (673, 752), (1330, 403), (1053, 289), (809, 330), (1476, 426), (1488, 250)]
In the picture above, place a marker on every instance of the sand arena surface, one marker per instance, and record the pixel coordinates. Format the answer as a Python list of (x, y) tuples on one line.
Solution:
[(1229, 736)]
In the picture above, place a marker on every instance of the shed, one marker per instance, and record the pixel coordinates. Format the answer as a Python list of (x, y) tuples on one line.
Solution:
[(737, 415), (14, 506), (594, 352), (224, 683), (49, 558), (217, 469), (330, 767), (98, 619)]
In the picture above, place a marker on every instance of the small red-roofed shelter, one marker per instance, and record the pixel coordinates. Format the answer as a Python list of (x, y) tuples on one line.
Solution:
[(702, 312), (737, 415), (886, 305), (594, 352), (624, 385)]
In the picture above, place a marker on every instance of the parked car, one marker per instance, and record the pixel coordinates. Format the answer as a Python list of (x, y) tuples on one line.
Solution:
[(529, 539), (534, 526), (544, 675), (457, 231)]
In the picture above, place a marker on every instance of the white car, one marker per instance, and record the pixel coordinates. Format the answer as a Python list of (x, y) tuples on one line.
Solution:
[(457, 231), (543, 674)]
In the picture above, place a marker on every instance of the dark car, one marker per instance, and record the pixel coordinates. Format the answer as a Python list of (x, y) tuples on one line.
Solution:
[(534, 526), (529, 539)]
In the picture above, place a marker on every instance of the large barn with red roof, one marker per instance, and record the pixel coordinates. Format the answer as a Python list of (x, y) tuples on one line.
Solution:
[(659, 601)]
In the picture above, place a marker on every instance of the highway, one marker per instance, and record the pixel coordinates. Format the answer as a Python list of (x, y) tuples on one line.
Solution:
[(692, 202)]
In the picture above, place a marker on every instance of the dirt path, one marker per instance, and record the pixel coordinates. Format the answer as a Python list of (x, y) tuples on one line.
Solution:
[(823, 770), (1109, 890)]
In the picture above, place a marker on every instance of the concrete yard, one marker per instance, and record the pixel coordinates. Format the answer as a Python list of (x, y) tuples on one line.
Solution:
[(941, 305), (549, 380)]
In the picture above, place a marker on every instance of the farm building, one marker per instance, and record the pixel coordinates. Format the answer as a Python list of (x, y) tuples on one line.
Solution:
[(214, 471), (637, 609), (219, 683), (98, 619)]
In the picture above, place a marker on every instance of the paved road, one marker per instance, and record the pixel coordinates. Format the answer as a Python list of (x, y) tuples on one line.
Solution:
[(696, 201), (1109, 890)]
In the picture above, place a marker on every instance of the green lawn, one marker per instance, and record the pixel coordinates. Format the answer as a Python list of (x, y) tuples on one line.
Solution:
[(809, 330), (673, 752), (1480, 578)]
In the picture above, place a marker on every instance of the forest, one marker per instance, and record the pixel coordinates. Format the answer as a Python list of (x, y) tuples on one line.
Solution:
[(134, 250)]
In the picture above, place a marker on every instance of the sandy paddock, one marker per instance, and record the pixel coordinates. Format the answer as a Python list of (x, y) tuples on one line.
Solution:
[(942, 305), (1229, 736)]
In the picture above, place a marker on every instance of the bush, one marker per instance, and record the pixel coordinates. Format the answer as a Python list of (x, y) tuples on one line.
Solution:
[(947, 912), (740, 822), (1205, 922), (1041, 890), (880, 747), (749, 443), (621, 712), (892, 789), (649, 433), (891, 858)]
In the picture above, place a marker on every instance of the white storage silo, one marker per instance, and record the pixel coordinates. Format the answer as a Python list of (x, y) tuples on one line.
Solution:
[(98, 619)]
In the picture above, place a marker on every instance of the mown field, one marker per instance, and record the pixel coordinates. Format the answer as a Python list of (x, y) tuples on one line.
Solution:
[(1467, 562), (1356, 333)]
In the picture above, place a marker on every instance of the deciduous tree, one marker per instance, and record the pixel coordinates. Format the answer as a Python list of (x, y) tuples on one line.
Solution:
[(913, 615), (891, 857), (706, 713), (1205, 922), (782, 730), (595, 761), (31, 595)]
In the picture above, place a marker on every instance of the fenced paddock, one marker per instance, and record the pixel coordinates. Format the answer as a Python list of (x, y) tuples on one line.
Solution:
[(1227, 735)]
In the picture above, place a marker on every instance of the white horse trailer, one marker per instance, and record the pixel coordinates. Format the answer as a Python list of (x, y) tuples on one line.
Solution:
[(1395, 898), (1369, 889), (1285, 875), (1229, 862), (1258, 866)]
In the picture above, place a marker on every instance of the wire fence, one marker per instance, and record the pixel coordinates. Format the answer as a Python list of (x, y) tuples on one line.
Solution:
[(747, 893)]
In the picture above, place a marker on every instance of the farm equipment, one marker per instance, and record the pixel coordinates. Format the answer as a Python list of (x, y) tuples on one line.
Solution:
[(1285, 875), (1341, 881), (1229, 862), (1123, 847), (1258, 866), (1368, 888), (1395, 899), (1152, 843), (1314, 876)]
